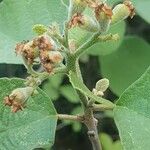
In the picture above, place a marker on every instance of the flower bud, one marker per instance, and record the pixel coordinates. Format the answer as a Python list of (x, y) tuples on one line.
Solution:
[(18, 98), (76, 6), (122, 11), (101, 87), (39, 29)]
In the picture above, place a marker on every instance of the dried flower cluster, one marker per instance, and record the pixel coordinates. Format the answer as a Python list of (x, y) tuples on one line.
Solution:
[(44, 48), (102, 12)]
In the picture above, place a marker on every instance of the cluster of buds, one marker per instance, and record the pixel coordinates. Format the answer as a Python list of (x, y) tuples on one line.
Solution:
[(18, 98), (101, 87), (104, 14), (44, 48)]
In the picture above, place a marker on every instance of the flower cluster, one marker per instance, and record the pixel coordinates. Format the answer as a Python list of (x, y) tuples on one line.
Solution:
[(104, 15), (44, 49)]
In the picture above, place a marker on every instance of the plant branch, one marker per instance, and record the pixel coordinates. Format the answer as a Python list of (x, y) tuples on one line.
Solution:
[(108, 37), (91, 124), (89, 121), (66, 41), (71, 117), (87, 45), (101, 107)]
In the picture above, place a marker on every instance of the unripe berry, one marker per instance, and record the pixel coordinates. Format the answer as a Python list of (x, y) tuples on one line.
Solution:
[(122, 11)]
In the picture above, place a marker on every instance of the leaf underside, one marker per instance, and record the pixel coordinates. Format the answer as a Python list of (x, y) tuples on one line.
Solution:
[(17, 18), (34, 127)]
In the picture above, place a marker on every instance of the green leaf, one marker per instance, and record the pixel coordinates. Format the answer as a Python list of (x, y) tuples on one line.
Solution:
[(108, 144), (77, 125), (79, 85), (17, 19), (69, 93), (127, 64), (34, 127), (105, 48), (106, 141), (132, 114), (51, 86), (142, 8)]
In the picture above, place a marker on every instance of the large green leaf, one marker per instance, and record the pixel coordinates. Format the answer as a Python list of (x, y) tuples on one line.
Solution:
[(17, 18), (142, 8), (109, 46), (132, 115), (79, 85), (127, 64), (34, 127)]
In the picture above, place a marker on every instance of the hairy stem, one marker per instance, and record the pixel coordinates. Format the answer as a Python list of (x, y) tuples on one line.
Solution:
[(91, 124), (89, 121), (87, 45), (102, 107), (70, 117)]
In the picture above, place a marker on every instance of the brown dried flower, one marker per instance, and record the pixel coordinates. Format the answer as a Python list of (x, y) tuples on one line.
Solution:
[(100, 7), (49, 59), (131, 8), (43, 42), (28, 50), (76, 20)]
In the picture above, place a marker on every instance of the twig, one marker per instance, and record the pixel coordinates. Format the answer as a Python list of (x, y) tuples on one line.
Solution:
[(91, 124), (71, 117)]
